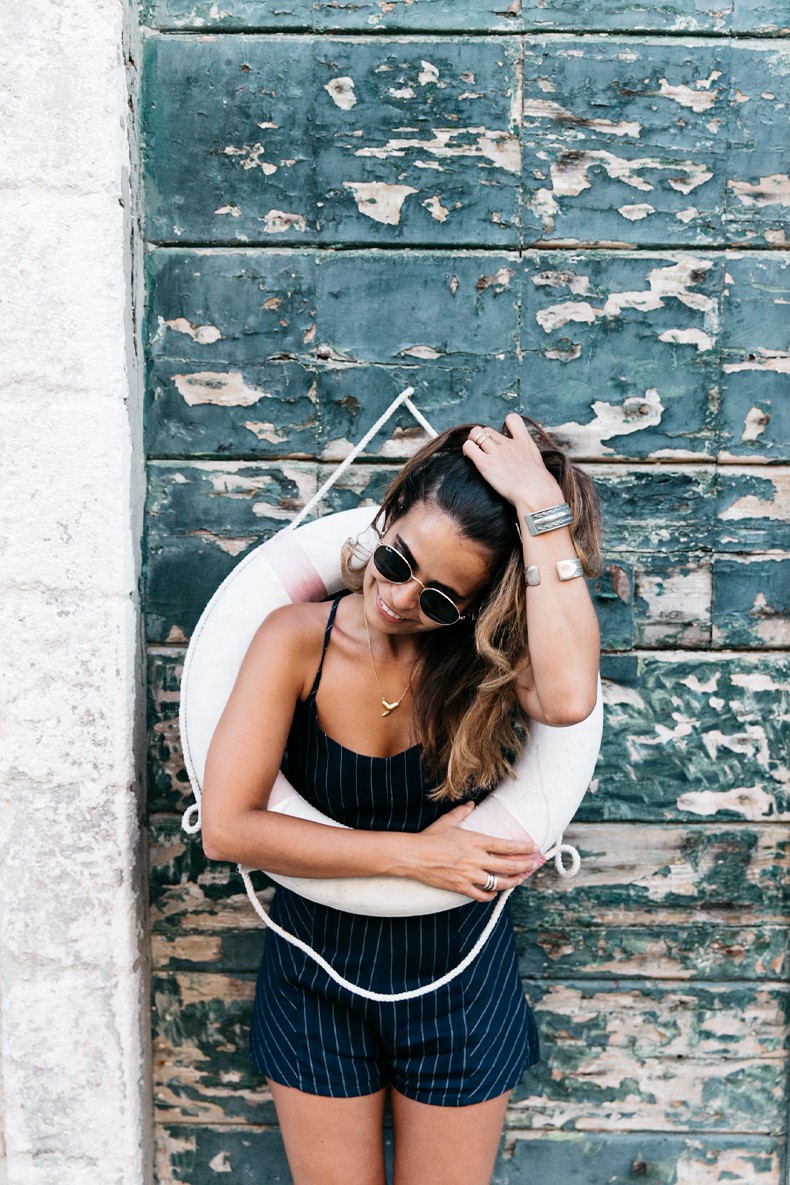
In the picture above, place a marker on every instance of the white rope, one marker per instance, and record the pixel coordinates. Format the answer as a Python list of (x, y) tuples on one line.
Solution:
[(378, 997), (360, 447)]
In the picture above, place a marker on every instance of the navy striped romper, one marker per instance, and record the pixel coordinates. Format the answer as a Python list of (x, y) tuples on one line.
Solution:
[(469, 1041)]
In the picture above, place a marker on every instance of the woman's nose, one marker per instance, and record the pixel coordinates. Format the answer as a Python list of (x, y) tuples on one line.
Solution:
[(406, 595)]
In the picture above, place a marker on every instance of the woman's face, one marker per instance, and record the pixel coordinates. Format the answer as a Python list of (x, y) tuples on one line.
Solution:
[(440, 556)]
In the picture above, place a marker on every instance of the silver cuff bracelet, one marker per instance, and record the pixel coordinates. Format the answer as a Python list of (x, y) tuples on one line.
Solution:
[(569, 569), (540, 521)]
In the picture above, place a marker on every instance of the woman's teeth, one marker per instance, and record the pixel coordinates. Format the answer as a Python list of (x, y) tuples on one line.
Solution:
[(389, 612)]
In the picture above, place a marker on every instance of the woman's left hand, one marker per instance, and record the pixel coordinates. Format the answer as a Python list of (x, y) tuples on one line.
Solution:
[(513, 465)]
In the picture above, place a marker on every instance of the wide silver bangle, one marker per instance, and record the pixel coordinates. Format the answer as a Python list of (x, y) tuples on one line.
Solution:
[(566, 570), (569, 569), (540, 521)]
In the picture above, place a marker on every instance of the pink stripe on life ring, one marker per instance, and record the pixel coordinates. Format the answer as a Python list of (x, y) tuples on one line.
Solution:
[(294, 569)]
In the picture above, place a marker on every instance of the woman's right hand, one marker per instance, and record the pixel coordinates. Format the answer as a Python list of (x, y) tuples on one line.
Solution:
[(447, 857)]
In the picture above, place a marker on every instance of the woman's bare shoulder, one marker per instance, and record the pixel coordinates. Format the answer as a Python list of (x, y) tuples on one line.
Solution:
[(291, 634)]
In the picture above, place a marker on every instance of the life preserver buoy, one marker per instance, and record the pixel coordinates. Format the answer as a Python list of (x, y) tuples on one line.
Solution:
[(552, 774)]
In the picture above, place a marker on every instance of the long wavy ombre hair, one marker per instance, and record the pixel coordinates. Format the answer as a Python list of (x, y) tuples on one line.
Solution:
[(470, 726)]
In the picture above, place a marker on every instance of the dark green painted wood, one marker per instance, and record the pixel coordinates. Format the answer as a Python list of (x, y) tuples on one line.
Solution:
[(470, 16), (613, 1054), (576, 949), (370, 140), (631, 876), (755, 410), (255, 1156), (687, 737), (621, 351), (255, 353), (274, 138), (751, 601)]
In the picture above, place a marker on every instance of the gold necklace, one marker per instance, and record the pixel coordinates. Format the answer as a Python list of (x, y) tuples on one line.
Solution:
[(385, 703)]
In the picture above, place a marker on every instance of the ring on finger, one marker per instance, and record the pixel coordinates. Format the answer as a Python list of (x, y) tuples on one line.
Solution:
[(478, 440), (491, 883)]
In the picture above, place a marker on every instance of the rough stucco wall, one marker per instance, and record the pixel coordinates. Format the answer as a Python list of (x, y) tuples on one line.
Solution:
[(72, 1047)]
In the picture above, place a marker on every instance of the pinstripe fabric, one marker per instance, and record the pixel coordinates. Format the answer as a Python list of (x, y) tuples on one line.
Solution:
[(467, 1042)]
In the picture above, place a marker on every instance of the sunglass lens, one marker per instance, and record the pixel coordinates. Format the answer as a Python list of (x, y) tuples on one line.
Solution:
[(391, 564), (438, 607)]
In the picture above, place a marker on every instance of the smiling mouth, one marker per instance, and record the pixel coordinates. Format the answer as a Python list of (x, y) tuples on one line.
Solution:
[(389, 613)]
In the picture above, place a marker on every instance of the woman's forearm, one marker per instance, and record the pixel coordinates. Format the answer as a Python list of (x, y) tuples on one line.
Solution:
[(294, 847), (564, 636)]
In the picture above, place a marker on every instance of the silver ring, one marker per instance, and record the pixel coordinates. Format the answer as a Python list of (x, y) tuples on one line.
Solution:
[(479, 439), (492, 883)]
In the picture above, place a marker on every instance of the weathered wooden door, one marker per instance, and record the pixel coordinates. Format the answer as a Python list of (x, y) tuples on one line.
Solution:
[(578, 211)]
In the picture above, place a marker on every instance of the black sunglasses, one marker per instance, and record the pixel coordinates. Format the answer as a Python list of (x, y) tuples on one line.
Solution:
[(434, 603)]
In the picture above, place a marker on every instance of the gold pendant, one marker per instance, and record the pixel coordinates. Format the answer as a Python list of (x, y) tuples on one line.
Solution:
[(389, 707)]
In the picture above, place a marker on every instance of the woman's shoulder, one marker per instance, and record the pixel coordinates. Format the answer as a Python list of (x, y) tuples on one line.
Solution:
[(295, 627)]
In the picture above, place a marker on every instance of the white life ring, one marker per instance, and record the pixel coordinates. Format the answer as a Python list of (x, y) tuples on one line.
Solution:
[(303, 564)]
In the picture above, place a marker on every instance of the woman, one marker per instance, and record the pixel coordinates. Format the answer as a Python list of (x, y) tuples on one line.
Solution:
[(399, 706)]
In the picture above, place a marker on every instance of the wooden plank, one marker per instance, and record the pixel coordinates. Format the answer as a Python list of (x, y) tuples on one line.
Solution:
[(425, 141), (630, 342), (658, 1158), (631, 876), (464, 16), (620, 354), (469, 16), (710, 1057), (757, 195), (578, 949), (755, 411), (330, 140), (644, 507), (254, 1154), (686, 737), (751, 601), (625, 140), (752, 508)]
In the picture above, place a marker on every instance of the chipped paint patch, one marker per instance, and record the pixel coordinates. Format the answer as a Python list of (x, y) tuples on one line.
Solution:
[(501, 148), (277, 222), (427, 353), (634, 414), (229, 545), (569, 173), (234, 211), (222, 390), (750, 802), (688, 337), (428, 73), (697, 100), (250, 156), (578, 285), (379, 201), (204, 335), (435, 208), (760, 359), (750, 506), (768, 191), (266, 431), (548, 109), (341, 92), (636, 213)]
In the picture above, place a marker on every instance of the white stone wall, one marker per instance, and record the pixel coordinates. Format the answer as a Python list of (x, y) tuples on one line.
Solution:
[(74, 1089)]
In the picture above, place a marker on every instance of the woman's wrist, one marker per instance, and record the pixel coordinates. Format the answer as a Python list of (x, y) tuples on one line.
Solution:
[(538, 497)]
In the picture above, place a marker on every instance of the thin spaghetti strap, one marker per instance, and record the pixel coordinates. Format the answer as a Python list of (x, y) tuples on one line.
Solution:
[(327, 632)]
